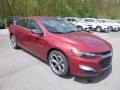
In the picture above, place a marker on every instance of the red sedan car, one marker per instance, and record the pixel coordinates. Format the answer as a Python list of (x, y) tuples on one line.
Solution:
[(62, 46)]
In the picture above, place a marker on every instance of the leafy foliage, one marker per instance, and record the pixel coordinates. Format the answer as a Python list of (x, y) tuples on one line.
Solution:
[(79, 8)]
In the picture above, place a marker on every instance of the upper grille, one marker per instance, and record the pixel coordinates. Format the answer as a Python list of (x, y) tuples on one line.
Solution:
[(104, 53)]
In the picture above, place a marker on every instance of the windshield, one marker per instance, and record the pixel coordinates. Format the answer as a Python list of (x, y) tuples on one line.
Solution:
[(103, 21), (58, 26), (100, 21), (80, 20), (110, 21), (89, 20)]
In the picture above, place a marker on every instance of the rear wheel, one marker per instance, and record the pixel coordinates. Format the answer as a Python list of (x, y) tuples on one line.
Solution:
[(79, 28), (111, 28), (13, 42), (117, 30), (58, 63)]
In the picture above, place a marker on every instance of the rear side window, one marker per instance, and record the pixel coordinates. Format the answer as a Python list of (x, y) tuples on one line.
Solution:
[(74, 20), (23, 23)]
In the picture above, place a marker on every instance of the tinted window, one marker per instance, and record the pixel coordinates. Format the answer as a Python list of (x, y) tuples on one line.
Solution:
[(74, 20), (33, 25), (23, 23), (88, 20), (58, 26)]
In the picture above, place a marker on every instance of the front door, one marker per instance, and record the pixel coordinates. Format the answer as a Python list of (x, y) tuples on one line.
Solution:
[(36, 43)]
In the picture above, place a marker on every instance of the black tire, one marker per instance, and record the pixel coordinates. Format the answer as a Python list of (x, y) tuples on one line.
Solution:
[(79, 28), (111, 28), (98, 29), (58, 63), (13, 42), (116, 30)]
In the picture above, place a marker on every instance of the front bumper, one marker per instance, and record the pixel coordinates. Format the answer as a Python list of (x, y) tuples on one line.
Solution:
[(106, 29), (88, 28), (90, 67), (116, 28), (92, 73)]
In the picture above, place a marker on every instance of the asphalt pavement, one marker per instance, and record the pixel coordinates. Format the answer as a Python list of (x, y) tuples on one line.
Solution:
[(19, 70)]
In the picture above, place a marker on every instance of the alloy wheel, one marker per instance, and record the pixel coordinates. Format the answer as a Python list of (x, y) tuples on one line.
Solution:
[(58, 63), (98, 29), (13, 41)]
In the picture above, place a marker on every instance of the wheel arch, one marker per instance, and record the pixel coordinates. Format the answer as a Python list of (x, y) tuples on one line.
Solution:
[(98, 26), (79, 26), (11, 34), (52, 49)]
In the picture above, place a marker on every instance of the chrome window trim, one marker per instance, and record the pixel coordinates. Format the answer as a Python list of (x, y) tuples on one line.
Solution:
[(29, 29)]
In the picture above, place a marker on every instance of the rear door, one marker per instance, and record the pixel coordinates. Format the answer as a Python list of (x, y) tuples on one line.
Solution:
[(21, 31)]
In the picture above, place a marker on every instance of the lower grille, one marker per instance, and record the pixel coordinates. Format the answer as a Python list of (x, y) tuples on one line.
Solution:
[(105, 62)]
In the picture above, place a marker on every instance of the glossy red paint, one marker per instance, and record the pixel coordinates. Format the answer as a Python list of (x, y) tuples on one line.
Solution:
[(41, 45)]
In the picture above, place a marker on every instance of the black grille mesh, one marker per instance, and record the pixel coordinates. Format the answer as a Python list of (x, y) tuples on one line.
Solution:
[(105, 62)]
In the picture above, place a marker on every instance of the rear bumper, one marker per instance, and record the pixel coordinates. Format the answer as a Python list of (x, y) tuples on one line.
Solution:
[(88, 28)]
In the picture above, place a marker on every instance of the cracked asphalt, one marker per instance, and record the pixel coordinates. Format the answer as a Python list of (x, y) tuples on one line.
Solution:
[(19, 70)]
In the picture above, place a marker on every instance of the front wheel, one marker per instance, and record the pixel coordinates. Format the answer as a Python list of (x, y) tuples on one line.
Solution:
[(98, 29), (58, 63)]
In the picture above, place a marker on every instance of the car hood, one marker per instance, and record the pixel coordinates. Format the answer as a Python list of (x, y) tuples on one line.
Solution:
[(86, 41)]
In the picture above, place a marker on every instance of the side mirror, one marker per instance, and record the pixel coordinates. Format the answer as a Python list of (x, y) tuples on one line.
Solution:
[(36, 31)]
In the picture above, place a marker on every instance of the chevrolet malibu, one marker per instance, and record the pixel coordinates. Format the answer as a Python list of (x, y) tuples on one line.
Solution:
[(66, 49)]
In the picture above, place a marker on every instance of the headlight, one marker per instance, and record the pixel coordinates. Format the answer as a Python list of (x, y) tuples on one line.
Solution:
[(83, 54)]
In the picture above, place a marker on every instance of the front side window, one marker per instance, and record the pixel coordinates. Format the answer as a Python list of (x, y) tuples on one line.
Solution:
[(23, 23), (34, 26)]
